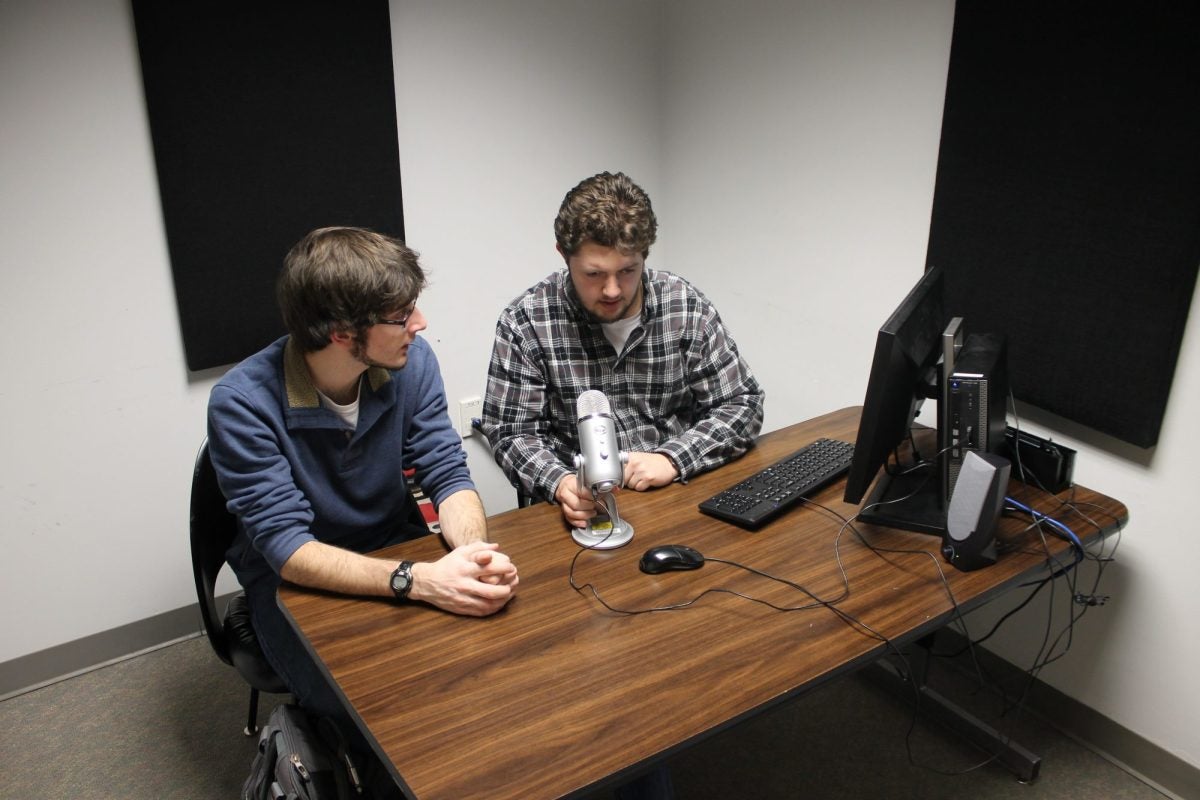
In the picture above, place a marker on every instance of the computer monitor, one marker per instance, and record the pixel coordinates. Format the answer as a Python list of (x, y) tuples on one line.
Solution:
[(905, 372)]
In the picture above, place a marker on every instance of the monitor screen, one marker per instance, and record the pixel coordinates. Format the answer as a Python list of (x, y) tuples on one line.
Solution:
[(904, 373)]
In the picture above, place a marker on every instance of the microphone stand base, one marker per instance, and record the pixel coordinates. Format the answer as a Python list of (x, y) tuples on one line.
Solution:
[(605, 538)]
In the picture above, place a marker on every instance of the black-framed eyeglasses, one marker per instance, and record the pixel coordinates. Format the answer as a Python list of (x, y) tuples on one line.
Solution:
[(404, 318)]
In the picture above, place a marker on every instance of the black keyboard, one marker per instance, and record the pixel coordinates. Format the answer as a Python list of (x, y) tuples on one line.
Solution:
[(774, 489)]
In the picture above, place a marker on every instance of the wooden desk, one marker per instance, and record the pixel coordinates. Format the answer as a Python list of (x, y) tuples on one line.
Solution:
[(555, 695)]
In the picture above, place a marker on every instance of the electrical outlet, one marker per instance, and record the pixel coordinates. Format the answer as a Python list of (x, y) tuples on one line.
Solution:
[(468, 409)]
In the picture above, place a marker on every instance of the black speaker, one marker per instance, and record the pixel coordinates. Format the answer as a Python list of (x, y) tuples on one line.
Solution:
[(975, 506)]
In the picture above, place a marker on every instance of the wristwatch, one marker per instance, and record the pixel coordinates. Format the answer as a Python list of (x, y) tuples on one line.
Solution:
[(402, 580)]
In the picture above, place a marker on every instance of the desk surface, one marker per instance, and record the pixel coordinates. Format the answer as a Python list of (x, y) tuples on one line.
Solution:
[(556, 694)]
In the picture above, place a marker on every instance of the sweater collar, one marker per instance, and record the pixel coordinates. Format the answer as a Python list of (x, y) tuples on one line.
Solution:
[(299, 388)]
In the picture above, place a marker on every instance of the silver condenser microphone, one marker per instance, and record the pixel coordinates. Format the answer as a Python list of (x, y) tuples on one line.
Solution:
[(601, 468)]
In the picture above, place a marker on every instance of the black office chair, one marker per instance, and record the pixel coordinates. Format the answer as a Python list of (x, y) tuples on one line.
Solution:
[(232, 637)]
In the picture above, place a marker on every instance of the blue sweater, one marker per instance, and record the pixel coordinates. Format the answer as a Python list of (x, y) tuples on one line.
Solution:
[(293, 471)]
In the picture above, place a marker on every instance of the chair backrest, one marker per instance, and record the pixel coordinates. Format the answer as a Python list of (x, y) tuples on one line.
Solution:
[(212, 531)]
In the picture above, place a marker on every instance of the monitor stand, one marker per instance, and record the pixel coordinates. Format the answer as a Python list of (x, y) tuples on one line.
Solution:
[(910, 501)]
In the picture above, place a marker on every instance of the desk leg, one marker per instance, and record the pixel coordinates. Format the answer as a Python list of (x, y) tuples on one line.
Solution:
[(1021, 762)]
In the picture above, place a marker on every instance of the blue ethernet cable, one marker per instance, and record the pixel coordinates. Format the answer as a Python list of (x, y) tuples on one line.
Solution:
[(1040, 517)]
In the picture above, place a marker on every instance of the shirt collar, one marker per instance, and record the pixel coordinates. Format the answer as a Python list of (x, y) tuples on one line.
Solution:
[(301, 393)]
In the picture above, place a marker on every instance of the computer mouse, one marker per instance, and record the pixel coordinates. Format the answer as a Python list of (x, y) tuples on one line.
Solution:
[(671, 557)]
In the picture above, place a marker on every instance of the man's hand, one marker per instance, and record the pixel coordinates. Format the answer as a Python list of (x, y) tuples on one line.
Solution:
[(577, 507), (648, 470), (475, 579)]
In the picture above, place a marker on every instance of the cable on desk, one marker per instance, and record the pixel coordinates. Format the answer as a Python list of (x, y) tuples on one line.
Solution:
[(957, 619), (1053, 646), (1070, 505), (1061, 530), (817, 602), (1011, 707)]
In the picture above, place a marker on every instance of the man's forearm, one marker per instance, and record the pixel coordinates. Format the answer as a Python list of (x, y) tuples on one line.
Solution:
[(726, 433), (529, 460), (462, 518), (334, 569)]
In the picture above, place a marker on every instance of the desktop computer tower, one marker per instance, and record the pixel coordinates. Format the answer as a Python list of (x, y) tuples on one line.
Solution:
[(976, 395)]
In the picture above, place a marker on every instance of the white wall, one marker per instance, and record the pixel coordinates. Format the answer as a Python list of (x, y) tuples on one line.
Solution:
[(99, 420), (502, 108), (790, 150), (800, 151)]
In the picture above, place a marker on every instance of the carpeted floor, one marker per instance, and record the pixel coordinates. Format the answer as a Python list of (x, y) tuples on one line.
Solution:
[(167, 725)]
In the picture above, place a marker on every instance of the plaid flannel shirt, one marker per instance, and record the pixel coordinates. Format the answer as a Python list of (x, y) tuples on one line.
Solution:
[(679, 386)]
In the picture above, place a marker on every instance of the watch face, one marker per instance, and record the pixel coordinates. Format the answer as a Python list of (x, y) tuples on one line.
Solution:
[(402, 579)]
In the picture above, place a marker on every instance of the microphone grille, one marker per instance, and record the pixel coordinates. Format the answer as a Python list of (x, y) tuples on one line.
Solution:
[(592, 402)]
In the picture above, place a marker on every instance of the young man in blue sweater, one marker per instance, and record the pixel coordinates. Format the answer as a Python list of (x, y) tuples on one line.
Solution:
[(310, 438)]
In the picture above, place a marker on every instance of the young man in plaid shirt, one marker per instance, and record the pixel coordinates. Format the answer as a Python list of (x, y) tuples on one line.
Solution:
[(683, 398)]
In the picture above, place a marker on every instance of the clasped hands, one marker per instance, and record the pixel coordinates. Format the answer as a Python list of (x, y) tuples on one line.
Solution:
[(643, 471), (474, 579)]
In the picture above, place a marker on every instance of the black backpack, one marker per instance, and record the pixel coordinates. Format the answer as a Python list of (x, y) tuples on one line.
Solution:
[(301, 757)]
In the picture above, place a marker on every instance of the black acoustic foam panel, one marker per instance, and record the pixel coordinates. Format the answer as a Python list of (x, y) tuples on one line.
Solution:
[(268, 120), (1067, 206)]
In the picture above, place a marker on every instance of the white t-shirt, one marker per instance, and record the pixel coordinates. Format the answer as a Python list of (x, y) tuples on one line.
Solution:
[(618, 332), (348, 412)]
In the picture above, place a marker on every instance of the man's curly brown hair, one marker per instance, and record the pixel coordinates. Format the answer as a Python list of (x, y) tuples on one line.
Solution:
[(610, 210)]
